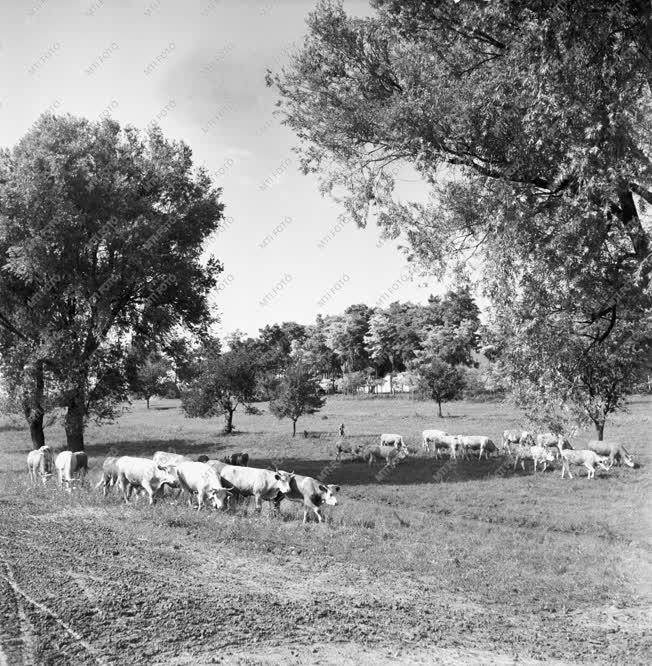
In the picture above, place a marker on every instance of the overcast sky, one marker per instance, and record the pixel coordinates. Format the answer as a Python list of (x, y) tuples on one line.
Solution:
[(197, 69)]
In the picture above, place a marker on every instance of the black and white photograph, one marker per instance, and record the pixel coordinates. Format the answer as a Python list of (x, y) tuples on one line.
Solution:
[(325, 332)]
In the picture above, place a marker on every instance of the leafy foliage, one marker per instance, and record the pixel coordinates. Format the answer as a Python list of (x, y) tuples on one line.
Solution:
[(226, 381), (528, 125), (298, 393)]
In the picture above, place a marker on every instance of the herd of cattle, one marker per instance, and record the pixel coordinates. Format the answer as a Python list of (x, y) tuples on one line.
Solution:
[(520, 445), (223, 482), (216, 481)]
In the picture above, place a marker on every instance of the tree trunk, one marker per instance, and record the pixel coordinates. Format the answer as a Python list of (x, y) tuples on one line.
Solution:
[(439, 412), (228, 421), (599, 429), (74, 422), (294, 427), (147, 401), (33, 404)]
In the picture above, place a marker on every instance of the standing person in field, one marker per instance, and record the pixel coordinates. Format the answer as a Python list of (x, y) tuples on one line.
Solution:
[(341, 430)]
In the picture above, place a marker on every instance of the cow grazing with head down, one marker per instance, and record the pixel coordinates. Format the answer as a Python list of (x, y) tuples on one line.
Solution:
[(71, 466), (261, 484), (343, 447), (311, 493), (40, 463), (615, 450), (201, 479), (143, 473)]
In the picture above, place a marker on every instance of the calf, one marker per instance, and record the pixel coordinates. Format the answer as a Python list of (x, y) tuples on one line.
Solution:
[(451, 443), (71, 466), (262, 484), (39, 464), (615, 451), (143, 473), (201, 478), (390, 454), (584, 457), (311, 493)]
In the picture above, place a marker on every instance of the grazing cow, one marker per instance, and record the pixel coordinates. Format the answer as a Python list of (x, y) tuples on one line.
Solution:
[(343, 447), (584, 457), (481, 445), (166, 459), (391, 440), (262, 484), (238, 459), (200, 478), (614, 450), (538, 454), (39, 463), (109, 475), (143, 473), (432, 437), (390, 454), (71, 466), (312, 493)]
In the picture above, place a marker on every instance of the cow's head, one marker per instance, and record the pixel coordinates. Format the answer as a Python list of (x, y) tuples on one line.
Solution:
[(628, 461), (605, 462), (167, 474), (283, 480), (328, 493), (219, 496)]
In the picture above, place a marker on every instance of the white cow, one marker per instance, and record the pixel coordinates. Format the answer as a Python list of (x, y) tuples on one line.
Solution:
[(39, 463), (538, 454), (312, 493), (432, 437), (262, 484), (201, 478), (142, 473), (584, 457), (390, 454), (478, 443), (71, 466), (391, 440), (615, 451)]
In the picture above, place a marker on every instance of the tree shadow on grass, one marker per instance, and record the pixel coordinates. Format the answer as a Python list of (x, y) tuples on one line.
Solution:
[(146, 448), (413, 471)]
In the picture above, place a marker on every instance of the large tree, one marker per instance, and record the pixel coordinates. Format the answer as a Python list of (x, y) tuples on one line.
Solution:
[(529, 125), (101, 235)]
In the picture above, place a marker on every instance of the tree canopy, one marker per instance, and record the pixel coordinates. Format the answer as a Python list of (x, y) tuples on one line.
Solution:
[(528, 125), (101, 234)]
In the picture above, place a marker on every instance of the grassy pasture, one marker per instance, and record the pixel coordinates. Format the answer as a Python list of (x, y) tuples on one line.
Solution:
[(432, 563)]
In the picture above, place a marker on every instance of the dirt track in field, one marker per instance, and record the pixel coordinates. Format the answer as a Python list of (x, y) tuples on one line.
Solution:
[(77, 589)]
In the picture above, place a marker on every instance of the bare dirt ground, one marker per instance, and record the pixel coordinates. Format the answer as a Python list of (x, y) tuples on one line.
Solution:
[(436, 564)]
